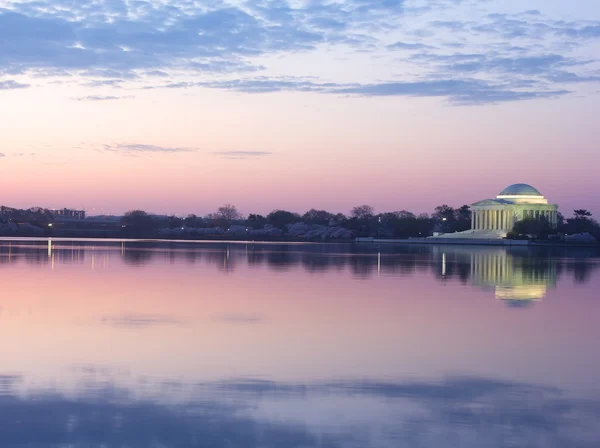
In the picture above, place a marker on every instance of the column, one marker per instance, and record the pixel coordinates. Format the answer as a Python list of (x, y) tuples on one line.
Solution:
[(472, 220)]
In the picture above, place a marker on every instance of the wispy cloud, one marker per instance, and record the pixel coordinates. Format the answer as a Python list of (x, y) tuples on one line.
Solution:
[(210, 44), (139, 320), (102, 98), (242, 154), (467, 91), (11, 85), (409, 46), (141, 148), (239, 318), (2, 154)]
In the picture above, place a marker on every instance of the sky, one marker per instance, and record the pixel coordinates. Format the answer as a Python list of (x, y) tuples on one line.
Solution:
[(180, 106)]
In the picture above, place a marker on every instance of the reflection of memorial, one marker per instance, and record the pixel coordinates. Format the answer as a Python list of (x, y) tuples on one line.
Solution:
[(515, 277)]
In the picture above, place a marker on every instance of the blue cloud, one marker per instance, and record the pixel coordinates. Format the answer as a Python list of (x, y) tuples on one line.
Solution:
[(458, 91), (102, 98), (409, 46), (9, 85), (492, 57)]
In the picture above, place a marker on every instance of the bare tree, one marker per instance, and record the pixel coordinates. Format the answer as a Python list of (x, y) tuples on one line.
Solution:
[(363, 212), (226, 214)]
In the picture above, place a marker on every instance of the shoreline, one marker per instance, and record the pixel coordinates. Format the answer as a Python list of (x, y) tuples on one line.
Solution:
[(473, 242), (291, 241)]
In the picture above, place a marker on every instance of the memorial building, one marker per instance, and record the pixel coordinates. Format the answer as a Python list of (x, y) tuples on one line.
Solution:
[(514, 203)]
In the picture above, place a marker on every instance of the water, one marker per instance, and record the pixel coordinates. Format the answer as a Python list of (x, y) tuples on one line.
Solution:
[(256, 345)]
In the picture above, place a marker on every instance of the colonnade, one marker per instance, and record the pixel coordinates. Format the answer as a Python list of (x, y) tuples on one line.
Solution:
[(505, 219)]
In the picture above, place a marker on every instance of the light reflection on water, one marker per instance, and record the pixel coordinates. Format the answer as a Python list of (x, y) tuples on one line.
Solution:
[(255, 345)]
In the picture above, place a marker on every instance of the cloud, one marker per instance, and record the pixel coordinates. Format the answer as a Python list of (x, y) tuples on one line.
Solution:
[(102, 98), (2, 154), (11, 85), (141, 148), (139, 320), (220, 44), (242, 154), (468, 91), (238, 318), (408, 46), (121, 38)]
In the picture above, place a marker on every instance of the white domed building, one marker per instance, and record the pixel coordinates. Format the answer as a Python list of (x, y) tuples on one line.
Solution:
[(514, 203), (494, 218)]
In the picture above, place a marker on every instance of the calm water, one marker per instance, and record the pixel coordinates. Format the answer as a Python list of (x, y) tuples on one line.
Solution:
[(234, 345)]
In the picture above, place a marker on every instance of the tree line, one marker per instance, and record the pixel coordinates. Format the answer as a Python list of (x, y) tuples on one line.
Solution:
[(362, 221)]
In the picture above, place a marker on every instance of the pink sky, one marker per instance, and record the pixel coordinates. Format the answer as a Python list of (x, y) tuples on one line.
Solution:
[(69, 140)]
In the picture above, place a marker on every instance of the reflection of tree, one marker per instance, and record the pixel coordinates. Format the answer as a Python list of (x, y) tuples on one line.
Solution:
[(448, 263), (581, 270), (137, 256), (282, 258), (363, 266)]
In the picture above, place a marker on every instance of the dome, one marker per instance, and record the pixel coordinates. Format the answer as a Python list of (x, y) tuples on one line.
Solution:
[(520, 190)]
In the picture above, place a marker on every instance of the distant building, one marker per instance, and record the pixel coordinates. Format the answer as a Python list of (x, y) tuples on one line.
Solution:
[(68, 213)]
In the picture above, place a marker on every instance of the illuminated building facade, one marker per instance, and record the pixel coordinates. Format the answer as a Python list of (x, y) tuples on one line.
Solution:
[(68, 213)]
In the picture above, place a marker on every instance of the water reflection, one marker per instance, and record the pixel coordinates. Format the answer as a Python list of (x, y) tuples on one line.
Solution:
[(514, 272), (119, 344), (465, 412), (520, 277)]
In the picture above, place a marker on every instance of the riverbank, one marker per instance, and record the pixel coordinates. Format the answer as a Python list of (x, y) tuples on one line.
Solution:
[(473, 242), (299, 241)]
